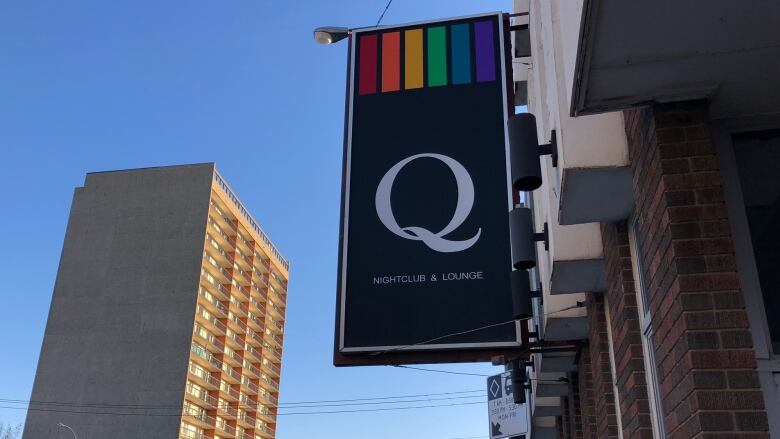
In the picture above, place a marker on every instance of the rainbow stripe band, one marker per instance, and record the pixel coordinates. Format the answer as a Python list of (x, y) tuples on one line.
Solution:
[(434, 56)]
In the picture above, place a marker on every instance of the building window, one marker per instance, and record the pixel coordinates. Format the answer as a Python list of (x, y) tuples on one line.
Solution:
[(646, 325), (757, 156)]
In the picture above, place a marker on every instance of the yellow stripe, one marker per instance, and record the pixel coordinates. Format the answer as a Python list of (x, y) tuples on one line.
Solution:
[(413, 58)]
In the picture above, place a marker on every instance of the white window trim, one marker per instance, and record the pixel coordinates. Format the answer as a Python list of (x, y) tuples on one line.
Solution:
[(613, 371), (645, 323)]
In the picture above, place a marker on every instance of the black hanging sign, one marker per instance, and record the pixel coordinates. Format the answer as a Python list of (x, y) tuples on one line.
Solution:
[(425, 249)]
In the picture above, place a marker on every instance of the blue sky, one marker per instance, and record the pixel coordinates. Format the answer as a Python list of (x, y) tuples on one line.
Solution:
[(101, 85)]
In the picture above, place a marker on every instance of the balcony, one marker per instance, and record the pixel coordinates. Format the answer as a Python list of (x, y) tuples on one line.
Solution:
[(269, 348), (213, 286), (236, 324), (244, 277), (247, 401), (225, 410), (255, 322), (269, 384), (258, 292), (270, 367), (225, 428), (247, 245), (238, 307), (201, 420), (264, 431), (268, 398), (218, 214), (254, 338), (273, 338), (253, 353), (210, 321), (204, 357), (215, 250), (234, 341), (230, 375), (186, 434), (252, 369), (241, 292), (266, 414), (253, 389), (229, 393), (201, 397), (261, 278), (279, 312), (256, 306), (245, 420), (245, 263), (203, 377), (212, 266), (231, 357), (211, 303), (262, 261), (219, 234)]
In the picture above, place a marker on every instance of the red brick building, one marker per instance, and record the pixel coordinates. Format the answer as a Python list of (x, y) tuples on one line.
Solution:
[(663, 212)]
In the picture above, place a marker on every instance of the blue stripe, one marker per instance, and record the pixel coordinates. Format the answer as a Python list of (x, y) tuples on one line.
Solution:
[(461, 53)]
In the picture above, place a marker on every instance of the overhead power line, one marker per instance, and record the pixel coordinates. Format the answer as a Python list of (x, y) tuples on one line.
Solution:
[(180, 414), (398, 399), (442, 371), (469, 331), (387, 6)]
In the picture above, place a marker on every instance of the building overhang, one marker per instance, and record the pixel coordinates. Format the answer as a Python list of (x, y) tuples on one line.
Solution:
[(637, 53)]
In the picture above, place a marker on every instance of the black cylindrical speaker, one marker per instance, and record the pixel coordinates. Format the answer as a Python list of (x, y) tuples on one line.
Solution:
[(521, 294), (524, 152), (521, 232)]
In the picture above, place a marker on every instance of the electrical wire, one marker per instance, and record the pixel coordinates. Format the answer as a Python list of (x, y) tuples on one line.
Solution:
[(559, 380), (387, 6), (180, 414), (292, 405), (469, 331), (440, 371), (314, 404)]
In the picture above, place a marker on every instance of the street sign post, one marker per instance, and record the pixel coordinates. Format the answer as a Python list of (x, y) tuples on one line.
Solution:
[(507, 419), (425, 249)]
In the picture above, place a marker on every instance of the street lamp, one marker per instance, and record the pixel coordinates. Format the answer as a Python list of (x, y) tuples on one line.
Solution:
[(330, 34), (60, 424)]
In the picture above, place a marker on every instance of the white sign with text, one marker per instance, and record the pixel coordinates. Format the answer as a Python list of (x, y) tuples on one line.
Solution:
[(507, 419)]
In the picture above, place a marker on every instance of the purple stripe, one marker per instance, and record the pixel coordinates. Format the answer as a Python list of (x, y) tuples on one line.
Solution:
[(486, 54)]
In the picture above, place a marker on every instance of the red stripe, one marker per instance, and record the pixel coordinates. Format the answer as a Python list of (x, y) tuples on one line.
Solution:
[(367, 59), (391, 61)]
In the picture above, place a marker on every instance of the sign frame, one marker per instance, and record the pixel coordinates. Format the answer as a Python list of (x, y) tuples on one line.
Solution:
[(424, 353), (520, 411)]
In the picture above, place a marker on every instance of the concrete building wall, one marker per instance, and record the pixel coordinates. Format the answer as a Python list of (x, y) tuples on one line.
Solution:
[(122, 312)]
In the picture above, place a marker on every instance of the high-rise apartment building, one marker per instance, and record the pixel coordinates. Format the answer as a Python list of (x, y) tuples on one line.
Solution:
[(168, 311)]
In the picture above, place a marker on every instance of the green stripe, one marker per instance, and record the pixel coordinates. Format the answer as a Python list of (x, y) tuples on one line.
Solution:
[(437, 56)]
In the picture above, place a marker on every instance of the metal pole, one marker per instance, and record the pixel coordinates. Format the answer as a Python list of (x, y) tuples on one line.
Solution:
[(60, 424)]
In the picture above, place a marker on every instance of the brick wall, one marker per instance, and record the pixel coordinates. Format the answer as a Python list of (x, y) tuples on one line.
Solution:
[(626, 337), (706, 364), (589, 416), (602, 402)]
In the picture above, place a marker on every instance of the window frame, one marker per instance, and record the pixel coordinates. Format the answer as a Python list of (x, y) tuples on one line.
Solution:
[(646, 326), (613, 370)]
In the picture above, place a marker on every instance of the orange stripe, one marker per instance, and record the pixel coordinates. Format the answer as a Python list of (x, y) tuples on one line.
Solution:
[(391, 61), (413, 59)]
